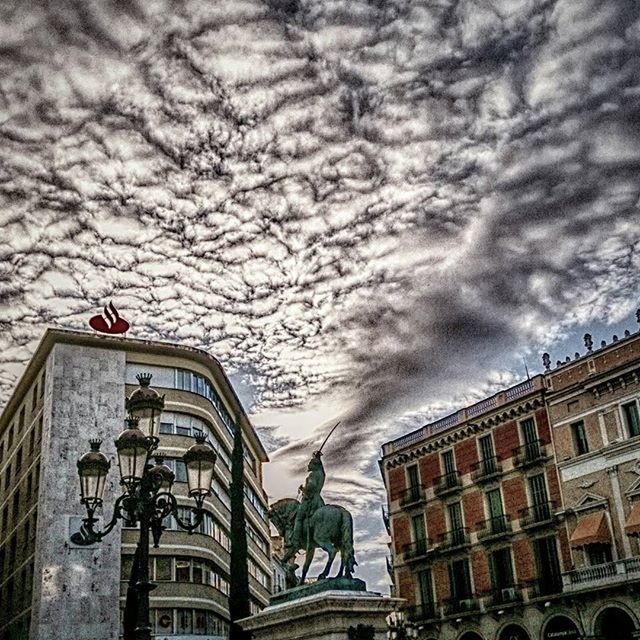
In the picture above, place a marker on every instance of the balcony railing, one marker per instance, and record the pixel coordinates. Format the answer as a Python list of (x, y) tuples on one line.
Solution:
[(602, 575), (447, 483), (455, 539), (463, 604), (538, 515), (486, 470), (413, 495), (422, 612), (529, 454), (418, 549), (493, 528), (504, 596)]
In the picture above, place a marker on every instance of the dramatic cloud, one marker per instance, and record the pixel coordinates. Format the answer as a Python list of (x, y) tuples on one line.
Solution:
[(365, 210)]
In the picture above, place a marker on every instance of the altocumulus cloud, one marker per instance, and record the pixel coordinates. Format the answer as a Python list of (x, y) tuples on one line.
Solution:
[(375, 203)]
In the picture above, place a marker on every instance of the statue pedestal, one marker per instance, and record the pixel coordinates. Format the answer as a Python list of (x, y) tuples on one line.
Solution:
[(320, 612)]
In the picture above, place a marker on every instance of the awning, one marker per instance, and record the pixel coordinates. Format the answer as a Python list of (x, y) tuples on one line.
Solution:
[(632, 525), (591, 529)]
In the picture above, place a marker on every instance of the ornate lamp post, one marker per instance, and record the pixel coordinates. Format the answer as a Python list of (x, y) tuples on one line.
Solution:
[(146, 498), (398, 628)]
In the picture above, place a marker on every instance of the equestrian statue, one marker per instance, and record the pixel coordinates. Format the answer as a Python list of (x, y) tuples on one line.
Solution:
[(308, 523)]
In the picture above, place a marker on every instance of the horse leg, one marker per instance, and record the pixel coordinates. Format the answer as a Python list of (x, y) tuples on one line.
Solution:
[(331, 551), (308, 557)]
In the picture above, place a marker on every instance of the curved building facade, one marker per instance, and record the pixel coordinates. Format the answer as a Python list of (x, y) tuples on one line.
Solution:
[(82, 381)]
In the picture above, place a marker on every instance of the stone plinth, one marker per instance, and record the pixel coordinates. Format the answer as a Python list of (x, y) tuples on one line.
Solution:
[(327, 615)]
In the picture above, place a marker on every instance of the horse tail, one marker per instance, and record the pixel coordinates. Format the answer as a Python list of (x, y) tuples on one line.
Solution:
[(347, 552)]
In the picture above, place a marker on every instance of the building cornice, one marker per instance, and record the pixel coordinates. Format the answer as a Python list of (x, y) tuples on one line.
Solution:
[(452, 436)]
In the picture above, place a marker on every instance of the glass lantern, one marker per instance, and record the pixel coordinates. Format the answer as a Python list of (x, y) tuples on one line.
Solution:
[(146, 404)]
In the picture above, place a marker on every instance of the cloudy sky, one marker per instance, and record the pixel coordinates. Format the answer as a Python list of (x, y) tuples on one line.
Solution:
[(367, 210)]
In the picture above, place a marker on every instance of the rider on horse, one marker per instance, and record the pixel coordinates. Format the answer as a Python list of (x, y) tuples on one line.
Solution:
[(311, 499)]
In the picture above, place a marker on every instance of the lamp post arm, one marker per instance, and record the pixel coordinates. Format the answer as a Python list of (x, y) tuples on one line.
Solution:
[(167, 505), (87, 534)]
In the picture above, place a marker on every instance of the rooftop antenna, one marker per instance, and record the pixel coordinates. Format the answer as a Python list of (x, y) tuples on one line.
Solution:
[(526, 369)]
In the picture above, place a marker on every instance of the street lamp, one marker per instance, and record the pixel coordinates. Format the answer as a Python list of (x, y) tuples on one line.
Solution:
[(399, 628), (147, 496)]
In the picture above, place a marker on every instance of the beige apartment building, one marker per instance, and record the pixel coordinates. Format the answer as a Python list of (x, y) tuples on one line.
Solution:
[(73, 389), (594, 403)]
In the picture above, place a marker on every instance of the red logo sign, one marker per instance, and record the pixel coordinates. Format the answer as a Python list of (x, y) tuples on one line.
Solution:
[(111, 322)]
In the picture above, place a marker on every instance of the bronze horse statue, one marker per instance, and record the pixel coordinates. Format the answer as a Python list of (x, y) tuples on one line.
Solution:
[(330, 528)]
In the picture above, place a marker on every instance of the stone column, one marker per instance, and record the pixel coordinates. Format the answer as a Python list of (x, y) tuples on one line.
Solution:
[(77, 589)]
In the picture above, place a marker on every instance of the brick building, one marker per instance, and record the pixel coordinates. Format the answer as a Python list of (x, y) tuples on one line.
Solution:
[(474, 514), (518, 518), (74, 389)]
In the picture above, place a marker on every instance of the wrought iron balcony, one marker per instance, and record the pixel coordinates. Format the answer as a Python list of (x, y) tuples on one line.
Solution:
[(529, 454), (538, 515), (504, 596), (447, 483), (412, 496), (452, 540), (463, 604), (417, 550), (602, 575), (493, 528), (422, 612), (486, 470)]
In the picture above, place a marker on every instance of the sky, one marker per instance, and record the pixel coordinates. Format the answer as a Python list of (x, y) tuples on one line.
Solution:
[(368, 211)]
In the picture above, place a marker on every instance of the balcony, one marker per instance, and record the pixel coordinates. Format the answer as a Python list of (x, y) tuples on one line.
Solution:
[(494, 528), (422, 612), (463, 604), (529, 454), (447, 483), (417, 550), (453, 540), (412, 496), (486, 470), (602, 575), (504, 596), (538, 516)]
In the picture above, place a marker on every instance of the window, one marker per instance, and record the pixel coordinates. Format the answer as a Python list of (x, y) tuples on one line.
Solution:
[(419, 531), (162, 568), (630, 411), (183, 570), (16, 506), (164, 620), (257, 538), (598, 553), (34, 398), (19, 460), (178, 467), (126, 565), (448, 463), (460, 579), (21, 419), (456, 523), (496, 511), (501, 569), (426, 592), (5, 518), (174, 423), (487, 454), (580, 442), (10, 438), (184, 619), (549, 576), (413, 481), (529, 432), (263, 578), (196, 383), (7, 477), (256, 503), (32, 440)]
